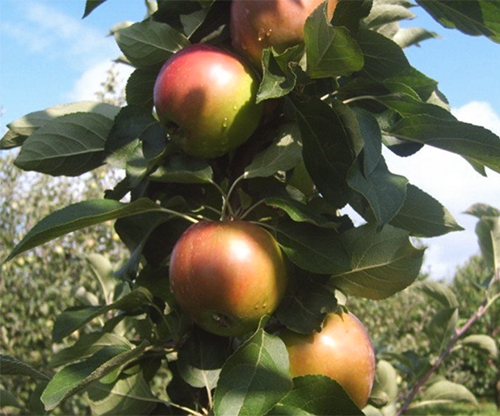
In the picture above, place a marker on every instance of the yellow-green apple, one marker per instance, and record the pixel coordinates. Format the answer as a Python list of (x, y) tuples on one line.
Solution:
[(342, 351), (211, 94)]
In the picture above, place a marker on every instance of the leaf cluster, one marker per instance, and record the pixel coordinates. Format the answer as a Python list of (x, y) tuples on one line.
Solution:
[(335, 101)]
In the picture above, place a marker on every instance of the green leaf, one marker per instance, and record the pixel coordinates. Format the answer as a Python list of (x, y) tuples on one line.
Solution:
[(440, 292), (78, 216), (11, 140), (473, 17), (350, 13), (385, 385), (472, 142), (384, 191), (282, 155), (441, 328), (76, 317), (76, 377), (149, 43), (254, 378), (331, 51), (129, 395), (181, 168), (331, 140), (446, 391), (69, 145), (140, 86), (134, 127), (184, 16), (408, 105), (103, 271), (423, 216), (201, 358), (276, 82), (27, 125), (304, 310), (10, 366), (382, 262), (318, 250), (488, 234), (90, 6), (406, 37), (316, 395), (299, 212), (7, 399), (87, 345), (481, 342)]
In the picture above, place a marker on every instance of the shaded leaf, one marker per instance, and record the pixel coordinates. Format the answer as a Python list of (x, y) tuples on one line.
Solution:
[(331, 51), (423, 216), (282, 155), (78, 216), (181, 168), (129, 395), (473, 17), (10, 366), (441, 328), (472, 142), (299, 212), (382, 262), (318, 250), (90, 6), (140, 86), (276, 82), (254, 378), (149, 43), (74, 318), (76, 377)]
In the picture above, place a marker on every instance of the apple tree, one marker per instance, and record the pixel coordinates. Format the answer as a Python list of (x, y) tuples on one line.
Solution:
[(248, 127)]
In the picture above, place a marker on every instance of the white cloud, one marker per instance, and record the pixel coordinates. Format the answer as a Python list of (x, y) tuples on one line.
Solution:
[(90, 81), (451, 180), (45, 30)]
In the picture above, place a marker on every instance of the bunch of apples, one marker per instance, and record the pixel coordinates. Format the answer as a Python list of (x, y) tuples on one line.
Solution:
[(226, 275)]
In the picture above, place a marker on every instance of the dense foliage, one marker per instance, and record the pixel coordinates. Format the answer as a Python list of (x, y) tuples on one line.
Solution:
[(331, 102)]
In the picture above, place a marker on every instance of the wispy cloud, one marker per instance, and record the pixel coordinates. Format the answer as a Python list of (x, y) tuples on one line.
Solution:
[(43, 29)]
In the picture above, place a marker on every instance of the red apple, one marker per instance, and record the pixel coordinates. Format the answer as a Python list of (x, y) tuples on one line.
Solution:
[(210, 93), (227, 275), (259, 24), (342, 351)]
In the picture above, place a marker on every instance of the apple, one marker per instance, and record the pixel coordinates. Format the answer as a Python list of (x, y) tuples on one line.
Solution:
[(227, 275), (210, 94), (342, 351), (256, 25)]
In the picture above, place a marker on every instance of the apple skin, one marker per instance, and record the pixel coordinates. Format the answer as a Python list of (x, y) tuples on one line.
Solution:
[(342, 351), (259, 24), (210, 93), (227, 275)]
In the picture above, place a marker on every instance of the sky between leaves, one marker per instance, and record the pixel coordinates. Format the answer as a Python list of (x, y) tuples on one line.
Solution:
[(50, 56)]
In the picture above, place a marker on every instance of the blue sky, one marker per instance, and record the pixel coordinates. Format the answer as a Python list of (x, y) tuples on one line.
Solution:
[(50, 56)]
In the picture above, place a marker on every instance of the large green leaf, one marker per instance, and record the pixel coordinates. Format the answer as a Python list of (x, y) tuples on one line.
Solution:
[(282, 155), (382, 262), (473, 17), (21, 128), (446, 391), (423, 216), (254, 378), (276, 81), (316, 395), (148, 43), (10, 366), (129, 395), (331, 140), (69, 145), (318, 250), (472, 142), (76, 317), (385, 385), (299, 212), (201, 358), (331, 51), (76, 377), (78, 216), (480, 342), (140, 86), (181, 168)]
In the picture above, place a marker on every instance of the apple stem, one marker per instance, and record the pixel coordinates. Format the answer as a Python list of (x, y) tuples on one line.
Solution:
[(181, 215), (250, 209), (226, 207)]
